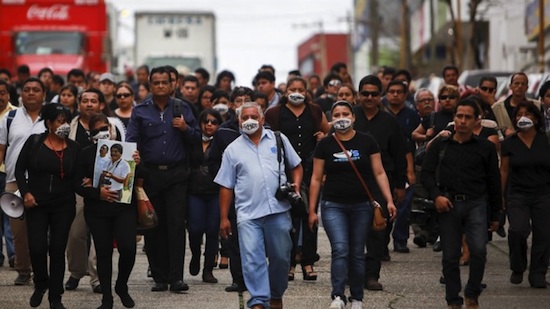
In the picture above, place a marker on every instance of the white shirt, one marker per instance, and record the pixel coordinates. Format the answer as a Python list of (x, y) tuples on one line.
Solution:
[(21, 128)]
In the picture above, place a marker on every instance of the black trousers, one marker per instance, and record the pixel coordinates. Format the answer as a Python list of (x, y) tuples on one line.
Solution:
[(526, 213), (119, 227), (167, 191), (232, 243), (57, 219)]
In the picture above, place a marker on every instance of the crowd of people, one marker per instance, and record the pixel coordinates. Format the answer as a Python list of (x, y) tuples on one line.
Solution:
[(248, 172)]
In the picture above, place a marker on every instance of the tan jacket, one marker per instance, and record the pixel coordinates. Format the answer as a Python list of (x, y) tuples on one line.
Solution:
[(501, 114)]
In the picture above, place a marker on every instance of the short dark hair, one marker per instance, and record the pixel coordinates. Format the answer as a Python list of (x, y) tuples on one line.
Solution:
[(337, 67), (543, 89), (370, 80), (267, 75), (267, 67), (295, 72), (58, 79), (240, 91), (220, 94), (5, 83), (204, 73), (407, 74), (449, 67), (34, 79), (117, 147), (399, 83), (45, 70), (76, 73), (5, 71), (388, 71), (491, 79), (161, 70), (190, 78), (143, 67), (72, 88), (100, 96), (259, 95), (519, 73), (533, 109), (469, 102), (329, 77), (23, 69), (53, 110)]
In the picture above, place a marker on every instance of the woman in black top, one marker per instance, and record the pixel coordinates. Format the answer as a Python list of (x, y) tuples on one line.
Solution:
[(125, 101), (525, 168), (204, 208), (108, 220), (347, 212), (49, 161)]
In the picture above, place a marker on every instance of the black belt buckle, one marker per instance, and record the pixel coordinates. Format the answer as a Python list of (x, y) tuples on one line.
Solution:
[(460, 197), (162, 167)]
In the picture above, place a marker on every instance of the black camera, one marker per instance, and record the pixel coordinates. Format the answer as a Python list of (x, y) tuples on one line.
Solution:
[(286, 192)]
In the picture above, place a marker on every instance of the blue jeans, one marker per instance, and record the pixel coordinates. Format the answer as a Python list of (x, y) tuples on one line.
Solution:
[(401, 225), (203, 217), (347, 227), (470, 218), (266, 235)]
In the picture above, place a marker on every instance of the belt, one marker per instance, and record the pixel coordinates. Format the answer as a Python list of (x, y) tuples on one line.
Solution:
[(459, 197), (162, 167)]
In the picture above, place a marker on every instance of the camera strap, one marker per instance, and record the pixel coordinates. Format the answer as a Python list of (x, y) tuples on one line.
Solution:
[(371, 199), (280, 151)]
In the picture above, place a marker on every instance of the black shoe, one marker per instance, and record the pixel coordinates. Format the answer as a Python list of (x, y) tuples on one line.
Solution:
[(71, 284), (36, 298), (501, 232), (234, 287), (97, 289), (159, 287), (373, 285), (2, 262), (420, 241), (106, 303), (11, 262), (437, 246), (22, 280), (442, 280), (179, 286), (195, 265), (400, 247), (516, 277), (208, 277), (149, 273), (126, 300), (57, 305)]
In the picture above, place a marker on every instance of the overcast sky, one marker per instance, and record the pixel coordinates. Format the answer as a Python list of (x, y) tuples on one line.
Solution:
[(252, 32)]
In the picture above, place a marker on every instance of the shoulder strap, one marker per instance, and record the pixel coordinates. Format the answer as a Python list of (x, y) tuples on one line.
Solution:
[(354, 168), (432, 119), (438, 168), (280, 151), (11, 115)]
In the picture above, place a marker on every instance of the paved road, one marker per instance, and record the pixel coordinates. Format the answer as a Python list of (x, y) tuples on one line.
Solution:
[(410, 281)]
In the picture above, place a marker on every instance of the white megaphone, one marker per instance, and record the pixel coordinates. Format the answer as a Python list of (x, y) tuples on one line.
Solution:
[(12, 204)]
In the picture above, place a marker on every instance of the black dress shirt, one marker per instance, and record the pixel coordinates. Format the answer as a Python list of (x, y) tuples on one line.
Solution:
[(469, 168)]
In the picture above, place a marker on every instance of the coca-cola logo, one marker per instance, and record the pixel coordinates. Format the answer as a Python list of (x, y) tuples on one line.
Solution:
[(54, 12)]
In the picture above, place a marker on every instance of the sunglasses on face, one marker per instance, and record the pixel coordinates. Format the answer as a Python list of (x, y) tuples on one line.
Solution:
[(487, 89), (212, 121), (123, 95), (448, 97), (94, 132), (335, 83), (369, 93)]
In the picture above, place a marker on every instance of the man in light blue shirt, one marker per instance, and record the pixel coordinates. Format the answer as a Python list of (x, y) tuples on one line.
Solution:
[(250, 169)]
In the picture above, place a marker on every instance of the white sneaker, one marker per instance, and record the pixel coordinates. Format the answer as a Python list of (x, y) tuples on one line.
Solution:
[(356, 304), (337, 303)]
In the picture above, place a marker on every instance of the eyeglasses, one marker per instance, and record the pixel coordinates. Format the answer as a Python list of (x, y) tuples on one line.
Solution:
[(369, 93), (94, 132), (212, 121), (335, 83), (447, 97), (487, 89), (123, 95)]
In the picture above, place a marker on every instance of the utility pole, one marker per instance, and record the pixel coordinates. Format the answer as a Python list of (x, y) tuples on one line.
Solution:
[(432, 59), (541, 64), (373, 28), (405, 48), (351, 53), (458, 23)]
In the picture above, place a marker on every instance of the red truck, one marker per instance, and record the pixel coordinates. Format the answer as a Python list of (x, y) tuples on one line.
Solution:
[(60, 34)]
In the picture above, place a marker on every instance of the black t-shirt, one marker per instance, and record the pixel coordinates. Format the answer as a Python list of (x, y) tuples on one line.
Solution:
[(342, 184), (325, 103), (529, 169)]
